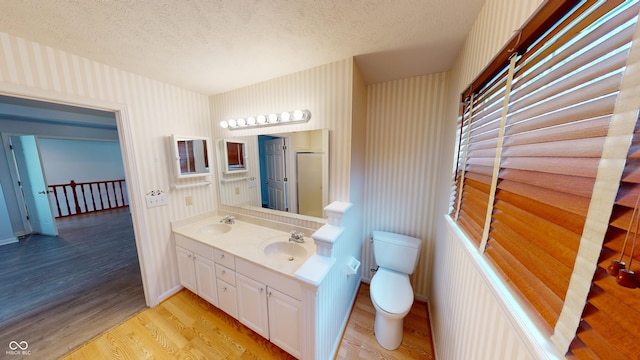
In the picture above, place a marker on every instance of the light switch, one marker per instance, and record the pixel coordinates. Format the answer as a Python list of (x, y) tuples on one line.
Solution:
[(156, 198)]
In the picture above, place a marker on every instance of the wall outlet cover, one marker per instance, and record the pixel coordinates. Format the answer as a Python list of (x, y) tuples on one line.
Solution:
[(156, 198)]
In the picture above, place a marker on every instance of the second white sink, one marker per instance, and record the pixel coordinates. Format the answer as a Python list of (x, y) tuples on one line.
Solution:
[(285, 251)]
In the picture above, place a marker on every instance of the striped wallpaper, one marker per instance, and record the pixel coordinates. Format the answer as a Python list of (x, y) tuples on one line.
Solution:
[(404, 134), (150, 111)]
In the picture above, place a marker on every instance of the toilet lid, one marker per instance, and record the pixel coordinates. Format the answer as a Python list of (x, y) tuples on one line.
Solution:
[(391, 291)]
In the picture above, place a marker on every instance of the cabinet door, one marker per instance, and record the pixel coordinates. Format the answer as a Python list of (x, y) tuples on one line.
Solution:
[(252, 305), (186, 271), (206, 279), (285, 322), (227, 299)]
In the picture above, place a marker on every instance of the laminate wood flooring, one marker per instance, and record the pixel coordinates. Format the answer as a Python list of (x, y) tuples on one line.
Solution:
[(187, 327), (56, 293)]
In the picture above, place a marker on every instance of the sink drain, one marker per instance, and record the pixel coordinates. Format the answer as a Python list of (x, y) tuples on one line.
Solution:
[(290, 258)]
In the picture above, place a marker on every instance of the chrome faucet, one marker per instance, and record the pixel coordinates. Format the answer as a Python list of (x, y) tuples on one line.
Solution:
[(297, 236), (228, 219)]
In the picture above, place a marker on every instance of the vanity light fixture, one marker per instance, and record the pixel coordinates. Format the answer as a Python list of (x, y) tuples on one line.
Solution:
[(285, 117)]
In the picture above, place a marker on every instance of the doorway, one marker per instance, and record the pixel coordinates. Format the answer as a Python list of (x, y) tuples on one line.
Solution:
[(70, 242)]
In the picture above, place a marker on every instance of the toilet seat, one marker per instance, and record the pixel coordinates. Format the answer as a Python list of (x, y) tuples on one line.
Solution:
[(391, 291)]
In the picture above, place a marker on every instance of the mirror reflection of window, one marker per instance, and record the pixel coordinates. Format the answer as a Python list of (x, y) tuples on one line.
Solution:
[(235, 156), (187, 156), (191, 158)]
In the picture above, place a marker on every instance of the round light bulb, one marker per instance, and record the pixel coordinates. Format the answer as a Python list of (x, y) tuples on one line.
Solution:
[(251, 121), (285, 116), (232, 123), (273, 118), (242, 122), (224, 124), (297, 115), (261, 119)]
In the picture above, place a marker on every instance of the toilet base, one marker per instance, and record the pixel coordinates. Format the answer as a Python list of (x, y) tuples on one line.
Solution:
[(388, 331)]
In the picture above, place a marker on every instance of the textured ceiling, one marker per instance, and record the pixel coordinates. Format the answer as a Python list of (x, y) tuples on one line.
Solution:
[(215, 46)]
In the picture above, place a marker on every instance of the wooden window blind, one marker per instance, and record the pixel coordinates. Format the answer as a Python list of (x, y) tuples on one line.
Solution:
[(610, 319), (564, 92), (564, 97), (481, 116)]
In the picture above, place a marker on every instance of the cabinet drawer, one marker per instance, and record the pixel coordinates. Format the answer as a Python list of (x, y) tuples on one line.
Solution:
[(224, 258), (226, 274)]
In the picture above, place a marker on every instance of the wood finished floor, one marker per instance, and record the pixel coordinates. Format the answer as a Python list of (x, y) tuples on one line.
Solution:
[(57, 293), (187, 327)]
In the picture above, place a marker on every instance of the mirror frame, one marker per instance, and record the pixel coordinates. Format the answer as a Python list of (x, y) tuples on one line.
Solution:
[(231, 168), (203, 170)]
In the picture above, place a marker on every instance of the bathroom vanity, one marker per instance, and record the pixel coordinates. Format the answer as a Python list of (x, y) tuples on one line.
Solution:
[(247, 271), (297, 295)]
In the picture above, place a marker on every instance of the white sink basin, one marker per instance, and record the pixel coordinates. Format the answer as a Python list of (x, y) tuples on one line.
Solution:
[(215, 229), (285, 251)]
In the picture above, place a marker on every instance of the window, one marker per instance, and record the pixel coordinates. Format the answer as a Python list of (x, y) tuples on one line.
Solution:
[(530, 155)]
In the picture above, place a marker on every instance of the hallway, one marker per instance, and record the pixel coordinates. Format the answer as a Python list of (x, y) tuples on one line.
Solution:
[(59, 292)]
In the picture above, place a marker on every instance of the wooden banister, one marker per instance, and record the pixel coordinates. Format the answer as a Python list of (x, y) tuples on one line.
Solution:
[(77, 198)]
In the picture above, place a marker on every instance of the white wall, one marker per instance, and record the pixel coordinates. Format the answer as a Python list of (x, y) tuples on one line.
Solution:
[(149, 111), (80, 160)]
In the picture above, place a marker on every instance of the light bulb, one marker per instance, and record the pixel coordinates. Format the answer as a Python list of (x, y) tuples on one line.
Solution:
[(232, 123), (273, 118), (297, 115), (261, 119), (242, 122), (251, 121), (224, 124), (285, 116)]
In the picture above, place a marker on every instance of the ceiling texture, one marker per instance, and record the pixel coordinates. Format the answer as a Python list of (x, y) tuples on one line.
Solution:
[(213, 46)]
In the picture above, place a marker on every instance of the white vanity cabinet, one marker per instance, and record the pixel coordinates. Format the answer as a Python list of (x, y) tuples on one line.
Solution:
[(196, 268), (271, 313)]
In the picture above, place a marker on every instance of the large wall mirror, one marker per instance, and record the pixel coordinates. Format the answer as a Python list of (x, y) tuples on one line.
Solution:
[(286, 172), (190, 154)]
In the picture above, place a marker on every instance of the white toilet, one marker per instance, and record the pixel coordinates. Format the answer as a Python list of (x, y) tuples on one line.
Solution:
[(390, 289)]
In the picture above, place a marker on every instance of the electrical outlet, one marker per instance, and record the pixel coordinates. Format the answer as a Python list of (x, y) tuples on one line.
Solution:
[(156, 198), (188, 200)]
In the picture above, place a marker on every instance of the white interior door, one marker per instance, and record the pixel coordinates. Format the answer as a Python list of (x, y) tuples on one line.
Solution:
[(34, 185), (276, 174)]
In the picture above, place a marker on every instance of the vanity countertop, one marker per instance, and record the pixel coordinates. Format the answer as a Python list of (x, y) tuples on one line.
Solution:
[(246, 240)]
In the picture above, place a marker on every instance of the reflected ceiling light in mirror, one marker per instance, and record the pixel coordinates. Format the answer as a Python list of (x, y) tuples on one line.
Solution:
[(285, 117)]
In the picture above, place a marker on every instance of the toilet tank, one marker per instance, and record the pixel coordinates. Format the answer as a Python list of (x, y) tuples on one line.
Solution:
[(395, 251)]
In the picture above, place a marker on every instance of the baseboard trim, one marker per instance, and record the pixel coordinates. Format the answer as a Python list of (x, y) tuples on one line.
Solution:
[(9, 240), (166, 295)]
